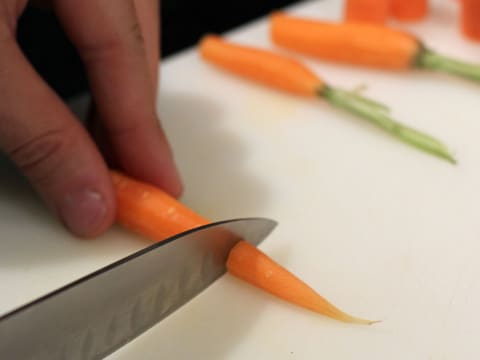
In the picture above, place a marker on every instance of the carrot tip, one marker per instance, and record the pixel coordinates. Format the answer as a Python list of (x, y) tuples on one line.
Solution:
[(369, 322), (354, 320)]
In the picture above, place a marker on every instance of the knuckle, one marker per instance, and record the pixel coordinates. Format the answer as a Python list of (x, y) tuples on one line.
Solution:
[(6, 34), (38, 157), (114, 45), (127, 128), (93, 51), (136, 32)]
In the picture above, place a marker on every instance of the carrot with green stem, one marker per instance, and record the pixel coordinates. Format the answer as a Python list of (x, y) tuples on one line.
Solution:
[(152, 213), (289, 75), (363, 44)]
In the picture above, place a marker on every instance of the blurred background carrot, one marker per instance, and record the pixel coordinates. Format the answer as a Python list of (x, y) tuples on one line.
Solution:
[(374, 11), (409, 10), (470, 18)]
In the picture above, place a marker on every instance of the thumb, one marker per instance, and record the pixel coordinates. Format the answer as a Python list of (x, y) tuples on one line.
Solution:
[(52, 149)]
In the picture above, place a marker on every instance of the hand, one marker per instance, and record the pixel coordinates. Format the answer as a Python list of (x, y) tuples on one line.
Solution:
[(118, 43)]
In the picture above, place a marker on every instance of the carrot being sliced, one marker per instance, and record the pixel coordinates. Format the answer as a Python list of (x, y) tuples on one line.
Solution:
[(146, 210), (286, 74), (249, 264), (470, 19), (370, 11), (409, 10), (363, 44), (152, 213)]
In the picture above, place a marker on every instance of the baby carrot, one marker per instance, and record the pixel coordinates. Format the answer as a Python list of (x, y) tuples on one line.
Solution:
[(144, 209), (363, 44), (409, 10), (288, 74), (470, 19), (273, 70), (370, 11), (150, 212)]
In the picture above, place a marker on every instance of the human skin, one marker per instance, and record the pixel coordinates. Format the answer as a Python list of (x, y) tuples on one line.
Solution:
[(118, 42)]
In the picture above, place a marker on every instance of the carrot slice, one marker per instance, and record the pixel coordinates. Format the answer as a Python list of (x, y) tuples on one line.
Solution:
[(363, 44), (470, 19), (249, 264), (281, 72), (370, 11), (262, 66), (148, 211), (409, 10)]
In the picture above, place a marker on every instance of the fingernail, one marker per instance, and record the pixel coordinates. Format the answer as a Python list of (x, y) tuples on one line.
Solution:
[(83, 212)]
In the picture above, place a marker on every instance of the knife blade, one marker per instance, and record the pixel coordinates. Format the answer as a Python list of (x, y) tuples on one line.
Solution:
[(95, 315)]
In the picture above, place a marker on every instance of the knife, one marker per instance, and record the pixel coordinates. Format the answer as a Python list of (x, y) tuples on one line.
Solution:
[(92, 317)]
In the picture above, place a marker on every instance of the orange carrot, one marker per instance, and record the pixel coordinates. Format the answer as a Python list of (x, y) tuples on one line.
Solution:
[(287, 74), (470, 19), (152, 213), (356, 43), (249, 264), (265, 67), (145, 209), (371, 11), (409, 10), (363, 44)]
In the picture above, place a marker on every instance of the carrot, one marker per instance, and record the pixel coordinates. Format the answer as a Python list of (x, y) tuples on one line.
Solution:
[(371, 11), (409, 10), (273, 70), (246, 262), (154, 214), (145, 209), (283, 73), (363, 44), (469, 19)]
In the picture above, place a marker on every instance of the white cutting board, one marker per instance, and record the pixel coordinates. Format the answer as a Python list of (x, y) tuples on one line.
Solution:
[(384, 231)]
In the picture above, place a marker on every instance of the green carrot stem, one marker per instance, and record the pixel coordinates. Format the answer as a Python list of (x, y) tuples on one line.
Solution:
[(377, 114), (429, 59)]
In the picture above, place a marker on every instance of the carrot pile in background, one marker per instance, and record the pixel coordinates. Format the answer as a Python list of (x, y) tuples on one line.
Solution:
[(372, 11), (363, 44), (470, 18), (380, 11), (409, 10)]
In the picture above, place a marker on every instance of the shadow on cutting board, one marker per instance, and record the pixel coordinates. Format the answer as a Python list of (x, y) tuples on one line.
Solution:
[(211, 327), (212, 159)]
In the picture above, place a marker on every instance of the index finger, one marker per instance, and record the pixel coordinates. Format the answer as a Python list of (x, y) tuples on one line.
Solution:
[(109, 38)]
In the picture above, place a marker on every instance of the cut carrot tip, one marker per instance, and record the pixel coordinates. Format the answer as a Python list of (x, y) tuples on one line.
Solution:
[(337, 314), (354, 320)]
